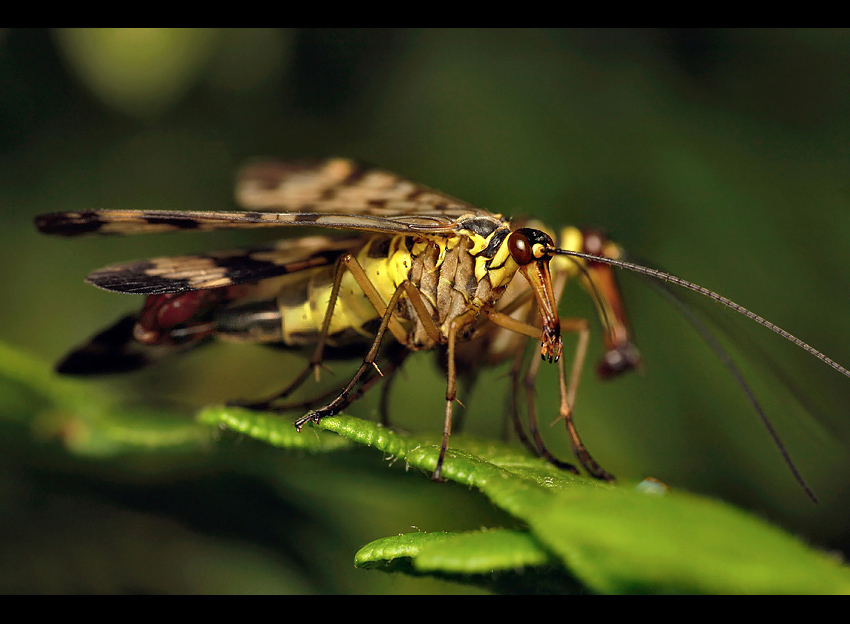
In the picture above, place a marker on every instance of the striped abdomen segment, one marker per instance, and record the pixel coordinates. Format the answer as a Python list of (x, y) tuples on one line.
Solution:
[(294, 316)]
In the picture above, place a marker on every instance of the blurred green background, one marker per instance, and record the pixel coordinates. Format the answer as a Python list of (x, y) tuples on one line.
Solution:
[(720, 155)]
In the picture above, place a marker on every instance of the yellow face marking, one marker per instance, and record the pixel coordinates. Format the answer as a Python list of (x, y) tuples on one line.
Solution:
[(502, 266)]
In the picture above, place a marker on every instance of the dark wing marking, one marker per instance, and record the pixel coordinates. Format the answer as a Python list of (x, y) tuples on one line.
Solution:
[(152, 221), (341, 186), (225, 268), (334, 193), (113, 350)]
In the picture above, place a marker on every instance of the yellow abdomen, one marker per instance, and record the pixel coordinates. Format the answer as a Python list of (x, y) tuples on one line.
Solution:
[(303, 309)]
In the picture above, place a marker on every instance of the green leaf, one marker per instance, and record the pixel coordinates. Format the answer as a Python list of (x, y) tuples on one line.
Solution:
[(473, 552), (611, 539), (501, 560), (271, 428), (86, 421), (625, 542), (615, 539)]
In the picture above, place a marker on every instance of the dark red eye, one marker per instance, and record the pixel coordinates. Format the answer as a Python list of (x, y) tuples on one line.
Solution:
[(522, 242), (520, 248)]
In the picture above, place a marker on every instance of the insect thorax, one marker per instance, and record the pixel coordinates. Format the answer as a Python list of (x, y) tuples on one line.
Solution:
[(443, 270), (451, 275)]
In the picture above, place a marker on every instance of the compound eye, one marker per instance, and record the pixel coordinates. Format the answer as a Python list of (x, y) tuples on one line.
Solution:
[(520, 248)]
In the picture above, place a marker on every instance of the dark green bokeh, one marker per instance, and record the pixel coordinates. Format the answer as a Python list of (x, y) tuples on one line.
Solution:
[(719, 155)]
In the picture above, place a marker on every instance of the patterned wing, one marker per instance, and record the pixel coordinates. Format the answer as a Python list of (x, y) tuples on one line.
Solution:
[(225, 268), (154, 221), (334, 193), (341, 186)]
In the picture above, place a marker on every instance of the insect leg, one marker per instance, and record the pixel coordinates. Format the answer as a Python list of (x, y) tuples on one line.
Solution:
[(538, 447), (344, 398), (582, 328), (567, 392), (455, 326), (568, 398), (346, 262), (467, 382), (370, 377), (516, 389), (267, 404), (526, 383), (397, 357)]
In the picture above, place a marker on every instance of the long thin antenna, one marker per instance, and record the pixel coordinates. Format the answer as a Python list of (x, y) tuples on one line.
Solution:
[(712, 342), (678, 281), (723, 355)]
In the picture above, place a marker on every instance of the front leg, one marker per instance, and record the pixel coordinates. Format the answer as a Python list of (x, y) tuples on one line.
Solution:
[(567, 393)]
